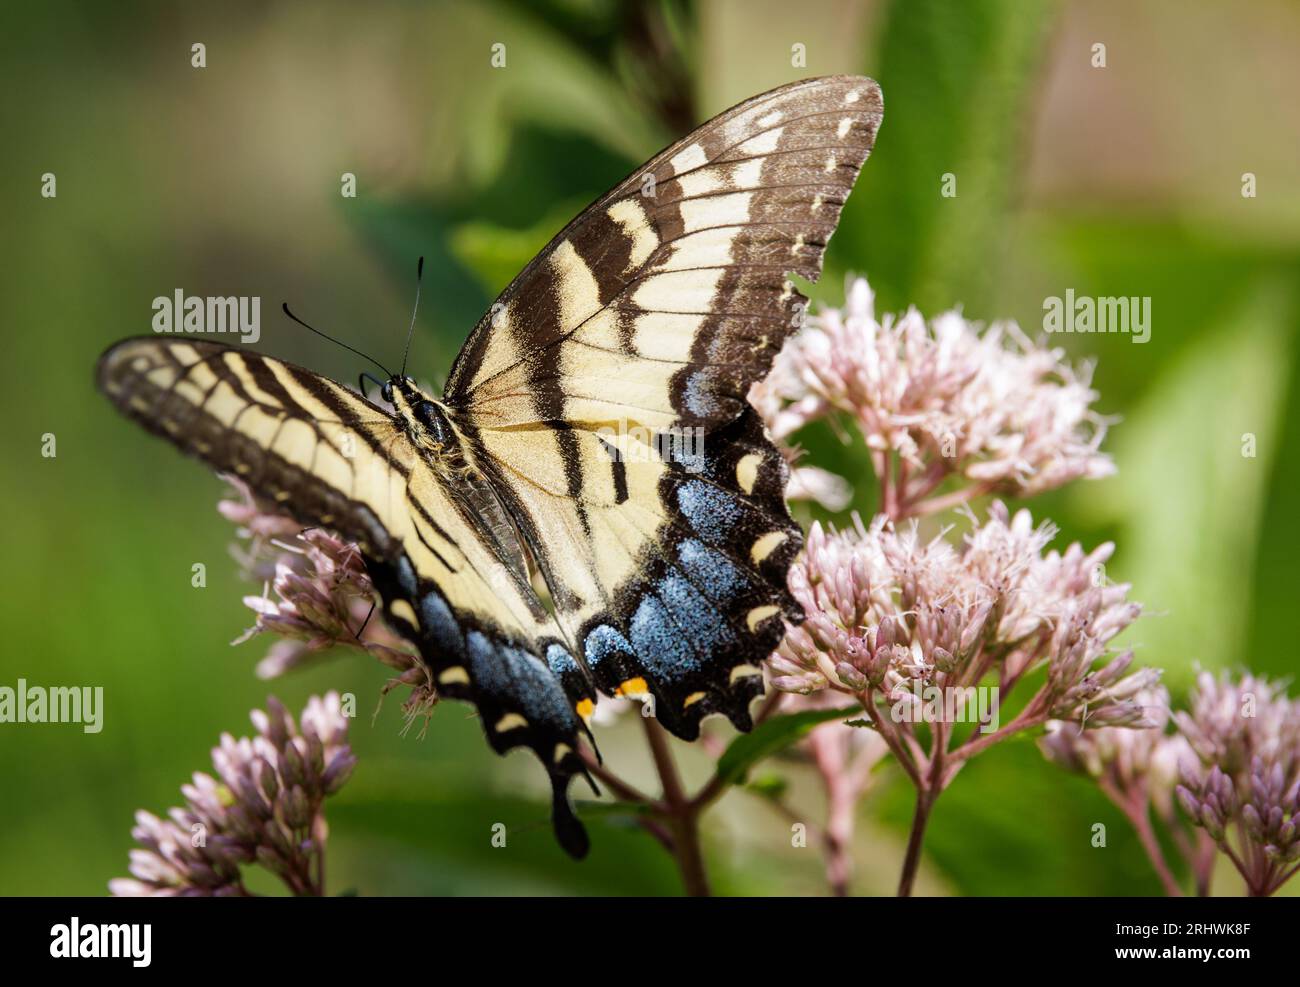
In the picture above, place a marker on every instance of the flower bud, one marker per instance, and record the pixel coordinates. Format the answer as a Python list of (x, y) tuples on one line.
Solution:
[(851, 677)]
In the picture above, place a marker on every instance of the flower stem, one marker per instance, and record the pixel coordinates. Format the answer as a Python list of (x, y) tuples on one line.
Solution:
[(617, 785), (946, 502), (683, 818), (1135, 809), (912, 860), (842, 791)]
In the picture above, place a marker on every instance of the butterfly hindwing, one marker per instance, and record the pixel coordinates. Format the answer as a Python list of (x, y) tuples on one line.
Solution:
[(330, 458)]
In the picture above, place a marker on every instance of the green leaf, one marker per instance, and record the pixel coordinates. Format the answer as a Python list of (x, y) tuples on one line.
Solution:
[(496, 253), (1013, 824), (769, 786), (1189, 497), (547, 82), (768, 738), (957, 80)]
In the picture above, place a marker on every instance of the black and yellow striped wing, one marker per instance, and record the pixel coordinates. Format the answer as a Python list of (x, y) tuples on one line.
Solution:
[(331, 458), (597, 432), (639, 330)]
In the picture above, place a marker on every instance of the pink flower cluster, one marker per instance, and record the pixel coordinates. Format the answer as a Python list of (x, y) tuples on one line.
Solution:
[(888, 610), (947, 397), (264, 806)]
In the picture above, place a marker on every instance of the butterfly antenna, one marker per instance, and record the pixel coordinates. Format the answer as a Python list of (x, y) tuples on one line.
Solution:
[(419, 276), (337, 342)]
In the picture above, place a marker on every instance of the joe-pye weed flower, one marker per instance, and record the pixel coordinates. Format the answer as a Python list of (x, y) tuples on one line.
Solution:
[(936, 401), (264, 806), (1241, 784), (1230, 761), (919, 630)]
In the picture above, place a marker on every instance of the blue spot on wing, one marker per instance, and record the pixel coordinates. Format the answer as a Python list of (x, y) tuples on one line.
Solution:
[(696, 617), (406, 577), (662, 648), (504, 671), (710, 511), (604, 642), (559, 660), (700, 399), (713, 572)]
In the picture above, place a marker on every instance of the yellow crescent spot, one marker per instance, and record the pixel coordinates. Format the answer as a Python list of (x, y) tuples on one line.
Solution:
[(745, 672), (456, 675), (760, 614), (585, 707), (401, 608), (747, 471), (765, 545), (511, 721), (692, 699)]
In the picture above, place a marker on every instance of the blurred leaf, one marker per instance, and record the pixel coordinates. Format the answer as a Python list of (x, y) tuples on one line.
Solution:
[(957, 80), (547, 82), (1186, 498), (1195, 281), (497, 253), (1271, 626), (1013, 824), (394, 833), (769, 785), (768, 738), (402, 231)]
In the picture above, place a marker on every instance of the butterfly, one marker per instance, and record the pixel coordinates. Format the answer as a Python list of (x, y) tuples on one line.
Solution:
[(531, 531)]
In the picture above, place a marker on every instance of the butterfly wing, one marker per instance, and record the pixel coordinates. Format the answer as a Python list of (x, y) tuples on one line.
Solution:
[(333, 459), (645, 321)]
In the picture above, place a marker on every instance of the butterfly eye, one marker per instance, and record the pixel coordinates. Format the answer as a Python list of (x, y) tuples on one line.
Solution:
[(387, 391)]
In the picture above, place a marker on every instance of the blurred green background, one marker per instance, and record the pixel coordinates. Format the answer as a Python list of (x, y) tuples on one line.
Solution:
[(1122, 180)]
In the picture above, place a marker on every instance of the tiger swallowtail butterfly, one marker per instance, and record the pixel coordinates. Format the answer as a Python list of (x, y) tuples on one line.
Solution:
[(650, 314)]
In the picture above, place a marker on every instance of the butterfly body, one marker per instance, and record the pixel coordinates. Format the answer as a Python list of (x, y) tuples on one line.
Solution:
[(662, 575)]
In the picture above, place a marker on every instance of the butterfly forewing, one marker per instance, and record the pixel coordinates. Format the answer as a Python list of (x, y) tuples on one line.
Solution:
[(331, 458)]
